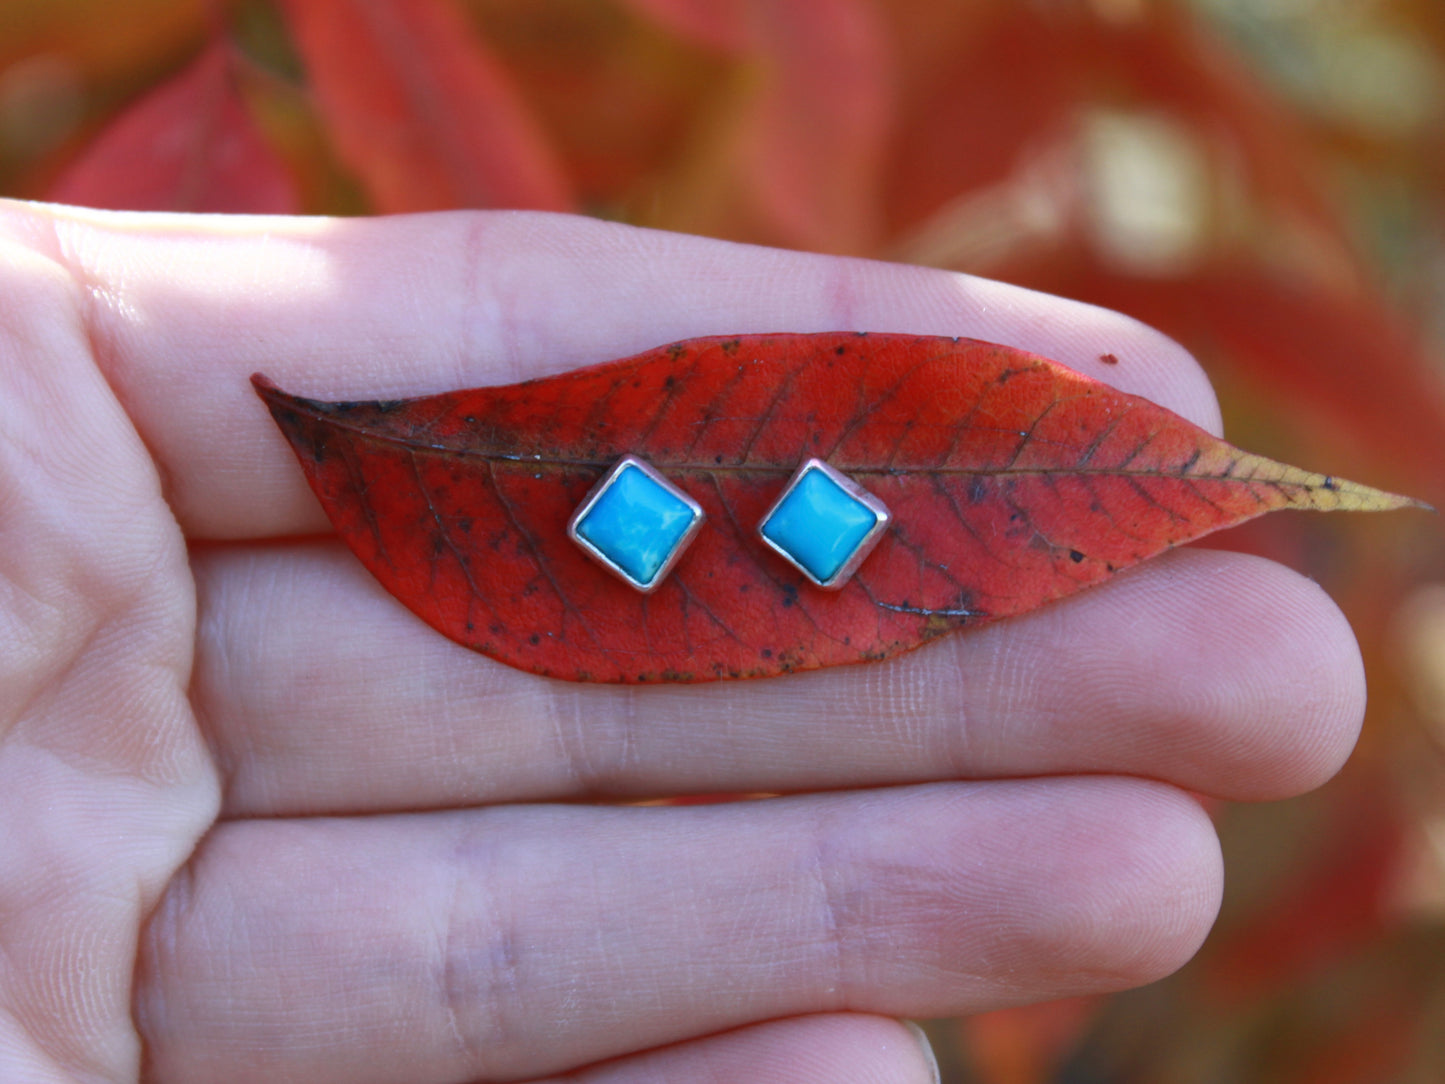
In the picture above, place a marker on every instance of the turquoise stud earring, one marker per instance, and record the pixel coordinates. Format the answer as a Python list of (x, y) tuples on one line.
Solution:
[(635, 524), (824, 524)]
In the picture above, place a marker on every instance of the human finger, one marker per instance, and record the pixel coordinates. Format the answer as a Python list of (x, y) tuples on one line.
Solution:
[(829, 1048), (104, 782), (184, 308), (519, 941), (1220, 672)]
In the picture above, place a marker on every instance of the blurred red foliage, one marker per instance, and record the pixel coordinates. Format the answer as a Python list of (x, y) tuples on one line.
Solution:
[(188, 145), (1262, 181)]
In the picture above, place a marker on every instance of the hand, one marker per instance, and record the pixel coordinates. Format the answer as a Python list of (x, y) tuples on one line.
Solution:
[(261, 824)]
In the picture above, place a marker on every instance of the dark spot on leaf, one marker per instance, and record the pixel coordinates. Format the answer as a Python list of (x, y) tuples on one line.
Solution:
[(790, 594), (351, 406), (766, 653), (1075, 556), (730, 347), (534, 639), (840, 350)]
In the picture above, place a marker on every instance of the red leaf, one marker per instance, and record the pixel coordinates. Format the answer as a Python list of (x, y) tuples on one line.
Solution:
[(1012, 481), (419, 109), (190, 145)]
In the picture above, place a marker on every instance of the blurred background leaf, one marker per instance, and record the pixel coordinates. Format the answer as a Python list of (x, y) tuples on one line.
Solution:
[(419, 109), (189, 144), (1262, 179)]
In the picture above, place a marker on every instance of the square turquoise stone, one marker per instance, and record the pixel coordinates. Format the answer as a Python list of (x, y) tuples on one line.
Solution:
[(819, 525), (637, 523)]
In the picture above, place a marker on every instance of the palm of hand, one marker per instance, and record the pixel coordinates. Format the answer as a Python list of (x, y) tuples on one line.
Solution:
[(382, 896)]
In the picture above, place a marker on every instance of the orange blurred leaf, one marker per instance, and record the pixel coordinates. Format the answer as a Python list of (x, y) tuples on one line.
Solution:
[(1027, 1044), (420, 110), (717, 24), (794, 152), (189, 145), (970, 121), (973, 119), (617, 92), (1172, 64), (103, 38), (1332, 906), (1374, 1045)]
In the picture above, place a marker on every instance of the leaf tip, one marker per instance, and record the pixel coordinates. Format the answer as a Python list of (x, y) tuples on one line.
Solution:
[(1355, 497)]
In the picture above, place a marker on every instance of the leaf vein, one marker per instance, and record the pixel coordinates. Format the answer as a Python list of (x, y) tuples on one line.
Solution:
[(510, 511)]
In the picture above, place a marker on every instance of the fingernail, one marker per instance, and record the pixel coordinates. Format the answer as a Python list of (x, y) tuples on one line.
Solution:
[(927, 1047)]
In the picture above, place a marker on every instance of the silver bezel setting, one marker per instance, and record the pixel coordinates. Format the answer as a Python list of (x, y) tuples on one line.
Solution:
[(860, 554), (595, 494)]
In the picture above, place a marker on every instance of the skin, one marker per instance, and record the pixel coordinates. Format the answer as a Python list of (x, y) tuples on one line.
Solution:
[(260, 823)]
